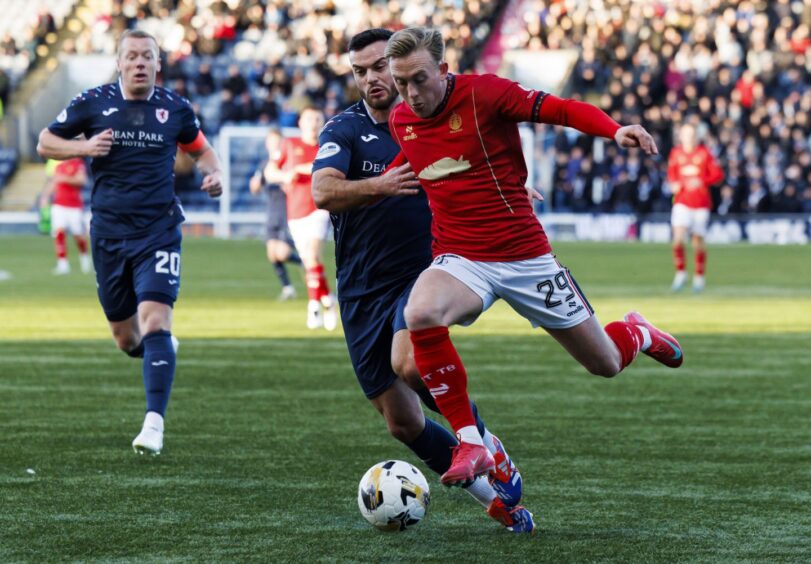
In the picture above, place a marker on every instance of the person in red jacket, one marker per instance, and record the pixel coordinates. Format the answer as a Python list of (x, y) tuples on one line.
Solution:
[(691, 170)]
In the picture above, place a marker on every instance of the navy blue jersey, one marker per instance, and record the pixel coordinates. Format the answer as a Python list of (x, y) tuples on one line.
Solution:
[(388, 242), (133, 190)]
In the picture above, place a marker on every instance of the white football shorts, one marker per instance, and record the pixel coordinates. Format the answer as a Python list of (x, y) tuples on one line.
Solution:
[(540, 289), (64, 218), (695, 220), (313, 226)]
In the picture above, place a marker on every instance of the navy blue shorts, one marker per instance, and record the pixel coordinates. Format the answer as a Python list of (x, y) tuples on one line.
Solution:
[(276, 227), (130, 271), (369, 327)]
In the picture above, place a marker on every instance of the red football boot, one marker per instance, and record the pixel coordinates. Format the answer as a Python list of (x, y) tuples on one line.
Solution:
[(663, 347), (468, 462)]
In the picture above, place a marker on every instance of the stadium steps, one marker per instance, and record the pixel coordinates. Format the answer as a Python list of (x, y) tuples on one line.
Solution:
[(24, 188)]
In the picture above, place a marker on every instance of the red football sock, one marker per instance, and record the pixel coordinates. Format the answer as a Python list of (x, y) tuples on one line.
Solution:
[(61, 246), (678, 258), (442, 371), (313, 277), (323, 285), (628, 339), (701, 262), (81, 243)]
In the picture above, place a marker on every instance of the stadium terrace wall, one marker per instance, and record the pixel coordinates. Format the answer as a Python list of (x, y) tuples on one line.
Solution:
[(773, 229)]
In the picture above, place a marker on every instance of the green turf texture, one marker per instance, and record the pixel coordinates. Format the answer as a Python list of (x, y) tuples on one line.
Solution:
[(268, 432)]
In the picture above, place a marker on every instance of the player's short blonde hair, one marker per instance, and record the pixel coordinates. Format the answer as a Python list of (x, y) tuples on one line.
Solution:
[(137, 34), (411, 39)]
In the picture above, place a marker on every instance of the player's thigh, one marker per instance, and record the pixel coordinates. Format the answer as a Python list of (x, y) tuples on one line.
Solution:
[(544, 292), (157, 267), (114, 282), (59, 219), (680, 222), (590, 345), (76, 222), (402, 351), (699, 222), (367, 330), (451, 291), (127, 333)]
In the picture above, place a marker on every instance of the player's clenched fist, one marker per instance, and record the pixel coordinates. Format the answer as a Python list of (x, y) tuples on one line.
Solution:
[(212, 184), (398, 181), (100, 144), (636, 136)]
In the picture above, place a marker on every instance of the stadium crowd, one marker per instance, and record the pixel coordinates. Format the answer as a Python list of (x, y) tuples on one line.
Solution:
[(739, 70)]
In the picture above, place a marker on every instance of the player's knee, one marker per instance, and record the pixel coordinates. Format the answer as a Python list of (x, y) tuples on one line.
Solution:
[(405, 368), (607, 368), (405, 430), (127, 342), (422, 316)]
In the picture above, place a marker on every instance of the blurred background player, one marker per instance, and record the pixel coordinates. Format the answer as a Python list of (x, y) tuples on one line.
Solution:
[(132, 129), (691, 171), (382, 243), (279, 245), (65, 182), (309, 225)]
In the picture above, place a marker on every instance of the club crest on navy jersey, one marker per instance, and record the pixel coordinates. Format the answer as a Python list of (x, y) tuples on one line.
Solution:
[(162, 114)]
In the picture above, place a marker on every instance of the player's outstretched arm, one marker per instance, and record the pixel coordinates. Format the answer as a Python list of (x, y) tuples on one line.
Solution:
[(333, 192), (209, 164), (591, 120), (52, 146)]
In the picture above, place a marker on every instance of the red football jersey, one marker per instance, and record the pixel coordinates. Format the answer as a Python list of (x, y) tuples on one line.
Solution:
[(469, 160), (292, 153), (695, 171), (68, 195)]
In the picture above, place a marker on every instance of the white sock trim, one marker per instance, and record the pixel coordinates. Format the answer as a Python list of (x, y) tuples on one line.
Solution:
[(469, 434), (482, 491), (646, 341)]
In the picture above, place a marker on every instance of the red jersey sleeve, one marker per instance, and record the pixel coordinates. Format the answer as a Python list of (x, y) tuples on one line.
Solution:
[(673, 166), (714, 173), (579, 115), (508, 98), (280, 156)]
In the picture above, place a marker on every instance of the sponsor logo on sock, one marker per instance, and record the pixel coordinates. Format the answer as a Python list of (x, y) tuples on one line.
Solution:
[(439, 390), (160, 363)]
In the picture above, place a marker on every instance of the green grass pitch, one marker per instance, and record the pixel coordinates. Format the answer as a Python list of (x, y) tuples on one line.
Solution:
[(268, 432)]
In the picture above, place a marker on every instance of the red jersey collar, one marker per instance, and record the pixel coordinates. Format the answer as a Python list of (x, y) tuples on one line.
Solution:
[(448, 91)]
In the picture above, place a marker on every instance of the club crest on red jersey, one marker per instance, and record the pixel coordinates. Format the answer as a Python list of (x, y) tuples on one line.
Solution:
[(455, 123), (162, 115)]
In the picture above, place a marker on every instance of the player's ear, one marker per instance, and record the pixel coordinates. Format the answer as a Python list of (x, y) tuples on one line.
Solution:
[(443, 69)]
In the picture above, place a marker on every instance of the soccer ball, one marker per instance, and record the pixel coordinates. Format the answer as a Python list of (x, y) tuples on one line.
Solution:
[(393, 495)]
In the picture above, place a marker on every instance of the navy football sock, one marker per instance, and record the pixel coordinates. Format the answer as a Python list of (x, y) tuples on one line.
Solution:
[(281, 272), (433, 446), (479, 423), (159, 370), (137, 352), (294, 257), (428, 400)]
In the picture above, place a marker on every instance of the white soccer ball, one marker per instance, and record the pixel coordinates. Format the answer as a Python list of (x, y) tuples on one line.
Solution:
[(393, 495)]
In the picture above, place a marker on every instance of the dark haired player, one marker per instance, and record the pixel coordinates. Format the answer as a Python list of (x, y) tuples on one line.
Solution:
[(131, 130), (383, 241)]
